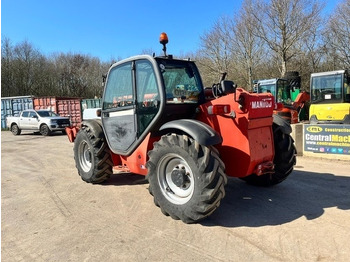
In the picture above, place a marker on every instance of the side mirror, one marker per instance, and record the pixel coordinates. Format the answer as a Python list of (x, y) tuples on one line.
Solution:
[(35, 116), (104, 77), (228, 87)]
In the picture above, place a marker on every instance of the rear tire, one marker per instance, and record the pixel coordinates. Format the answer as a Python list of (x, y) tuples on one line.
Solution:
[(15, 130), (92, 157), (45, 130), (285, 159), (186, 179)]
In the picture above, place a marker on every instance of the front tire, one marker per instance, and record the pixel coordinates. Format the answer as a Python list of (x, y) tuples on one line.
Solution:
[(284, 161), (45, 130), (186, 179), (92, 157), (15, 130)]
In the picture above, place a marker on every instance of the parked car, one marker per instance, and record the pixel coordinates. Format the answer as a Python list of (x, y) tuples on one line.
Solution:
[(43, 121)]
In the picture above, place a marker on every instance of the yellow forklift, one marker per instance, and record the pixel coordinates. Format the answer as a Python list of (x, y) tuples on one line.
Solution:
[(330, 97)]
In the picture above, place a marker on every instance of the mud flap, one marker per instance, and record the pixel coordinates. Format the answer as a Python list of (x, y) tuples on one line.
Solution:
[(71, 133)]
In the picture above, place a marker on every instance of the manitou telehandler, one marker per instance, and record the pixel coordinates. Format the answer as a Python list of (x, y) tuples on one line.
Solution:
[(155, 121)]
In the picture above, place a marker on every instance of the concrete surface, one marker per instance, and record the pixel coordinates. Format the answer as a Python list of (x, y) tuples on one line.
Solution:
[(49, 214)]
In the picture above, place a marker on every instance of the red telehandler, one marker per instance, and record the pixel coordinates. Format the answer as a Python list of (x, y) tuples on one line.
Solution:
[(156, 121)]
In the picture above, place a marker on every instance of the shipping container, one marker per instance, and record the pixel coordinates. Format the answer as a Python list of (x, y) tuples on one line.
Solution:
[(90, 103), (45, 103), (70, 108), (12, 106), (64, 106)]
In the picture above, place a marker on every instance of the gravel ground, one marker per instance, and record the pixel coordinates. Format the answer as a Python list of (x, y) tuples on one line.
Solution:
[(49, 214)]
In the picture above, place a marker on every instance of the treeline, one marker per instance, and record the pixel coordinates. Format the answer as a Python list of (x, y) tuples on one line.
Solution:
[(26, 71), (264, 39), (267, 38)]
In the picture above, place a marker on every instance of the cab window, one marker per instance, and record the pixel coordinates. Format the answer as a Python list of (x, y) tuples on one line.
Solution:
[(119, 91), (267, 88), (32, 114), (327, 89), (147, 88), (283, 92), (148, 97), (181, 80)]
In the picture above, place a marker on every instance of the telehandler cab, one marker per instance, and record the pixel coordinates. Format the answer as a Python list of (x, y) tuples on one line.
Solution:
[(157, 121)]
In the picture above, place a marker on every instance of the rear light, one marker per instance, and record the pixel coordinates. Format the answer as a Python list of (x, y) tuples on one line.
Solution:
[(219, 109)]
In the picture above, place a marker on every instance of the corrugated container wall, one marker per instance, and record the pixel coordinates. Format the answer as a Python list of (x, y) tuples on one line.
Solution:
[(64, 106), (71, 108), (90, 103), (12, 106), (45, 103)]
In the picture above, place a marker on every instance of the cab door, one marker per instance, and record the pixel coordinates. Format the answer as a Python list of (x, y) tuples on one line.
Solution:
[(33, 122), (24, 120), (131, 104), (148, 96), (118, 108)]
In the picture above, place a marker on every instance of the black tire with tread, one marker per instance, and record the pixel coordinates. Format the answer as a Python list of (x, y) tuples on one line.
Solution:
[(293, 78), (209, 179), (284, 161), (291, 74), (100, 157), (15, 130)]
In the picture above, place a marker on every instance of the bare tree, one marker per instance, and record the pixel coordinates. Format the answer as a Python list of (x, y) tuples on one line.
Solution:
[(25, 71), (338, 34), (147, 51), (7, 76), (264, 39), (310, 54), (25, 54), (215, 52), (247, 49), (284, 23), (27, 66), (78, 75)]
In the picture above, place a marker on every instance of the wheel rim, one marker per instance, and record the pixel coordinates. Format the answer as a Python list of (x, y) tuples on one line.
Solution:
[(84, 156), (14, 129), (44, 130), (175, 178)]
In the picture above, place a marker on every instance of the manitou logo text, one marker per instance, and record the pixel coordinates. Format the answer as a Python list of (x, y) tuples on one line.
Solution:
[(261, 104)]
